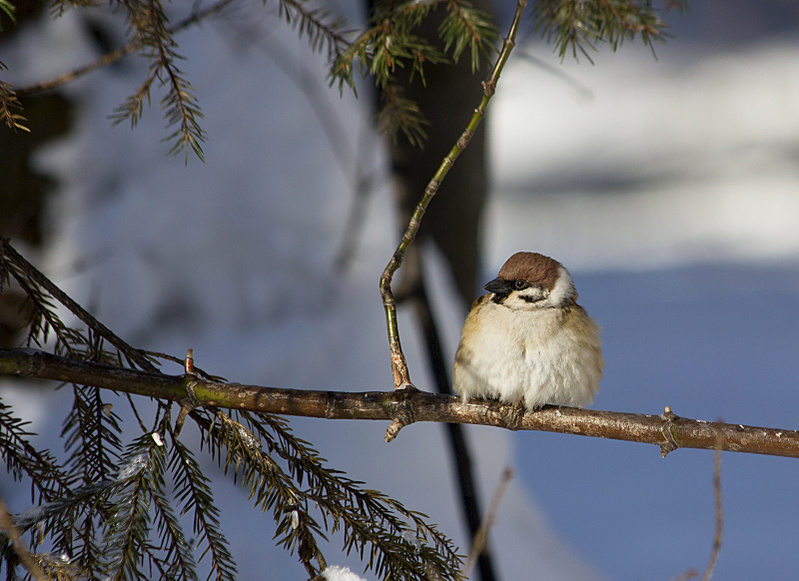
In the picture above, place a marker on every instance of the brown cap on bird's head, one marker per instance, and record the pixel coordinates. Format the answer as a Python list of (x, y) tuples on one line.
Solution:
[(533, 267)]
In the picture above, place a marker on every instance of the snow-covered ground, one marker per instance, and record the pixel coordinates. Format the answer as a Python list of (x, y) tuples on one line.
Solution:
[(672, 189), (669, 188)]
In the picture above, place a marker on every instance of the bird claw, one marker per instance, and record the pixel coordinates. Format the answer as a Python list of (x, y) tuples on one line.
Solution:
[(515, 416)]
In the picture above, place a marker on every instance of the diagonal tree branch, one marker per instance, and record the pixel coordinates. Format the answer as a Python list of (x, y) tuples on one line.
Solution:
[(399, 365), (22, 266), (666, 430)]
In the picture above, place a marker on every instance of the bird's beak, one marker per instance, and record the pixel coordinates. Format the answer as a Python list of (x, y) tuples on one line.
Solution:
[(498, 286)]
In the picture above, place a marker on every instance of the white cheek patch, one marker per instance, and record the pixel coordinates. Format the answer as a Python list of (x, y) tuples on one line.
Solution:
[(532, 294), (563, 290)]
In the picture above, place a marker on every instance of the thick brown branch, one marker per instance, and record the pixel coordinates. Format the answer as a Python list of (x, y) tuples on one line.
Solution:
[(667, 430)]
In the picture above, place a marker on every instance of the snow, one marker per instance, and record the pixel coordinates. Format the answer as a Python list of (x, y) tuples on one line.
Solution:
[(32, 515), (685, 159), (135, 465), (672, 195), (670, 192), (334, 573)]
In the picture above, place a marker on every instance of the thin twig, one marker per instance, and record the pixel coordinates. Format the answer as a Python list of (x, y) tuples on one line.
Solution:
[(12, 534), (719, 510), (687, 576), (465, 482), (481, 538), (399, 365), (410, 404)]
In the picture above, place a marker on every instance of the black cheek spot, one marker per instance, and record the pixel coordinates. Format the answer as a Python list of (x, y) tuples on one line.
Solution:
[(499, 299)]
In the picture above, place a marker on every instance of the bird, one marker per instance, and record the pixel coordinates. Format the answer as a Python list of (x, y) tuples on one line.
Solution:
[(527, 342)]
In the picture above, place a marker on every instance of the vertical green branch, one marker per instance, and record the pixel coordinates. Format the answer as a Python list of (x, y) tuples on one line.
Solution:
[(399, 365)]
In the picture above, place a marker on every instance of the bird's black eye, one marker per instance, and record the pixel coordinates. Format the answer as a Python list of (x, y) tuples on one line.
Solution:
[(520, 284)]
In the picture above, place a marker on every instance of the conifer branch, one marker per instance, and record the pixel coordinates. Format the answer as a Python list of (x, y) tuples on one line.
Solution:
[(91, 438), (22, 459), (179, 555), (42, 293), (386, 46), (193, 493), (391, 44), (151, 34), (399, 113), (316, 25), (91, 432), (465, 28), (115, 55), (148, 24), (11, 108), (127, 546), (578, 27)]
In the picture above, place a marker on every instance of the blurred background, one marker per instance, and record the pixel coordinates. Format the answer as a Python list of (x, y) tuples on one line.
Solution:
[(669, 187)]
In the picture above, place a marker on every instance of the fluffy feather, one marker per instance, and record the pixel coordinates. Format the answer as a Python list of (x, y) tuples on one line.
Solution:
[(540, 350)]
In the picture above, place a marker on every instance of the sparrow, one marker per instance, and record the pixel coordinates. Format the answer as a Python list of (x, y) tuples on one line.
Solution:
[(527, 342)]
